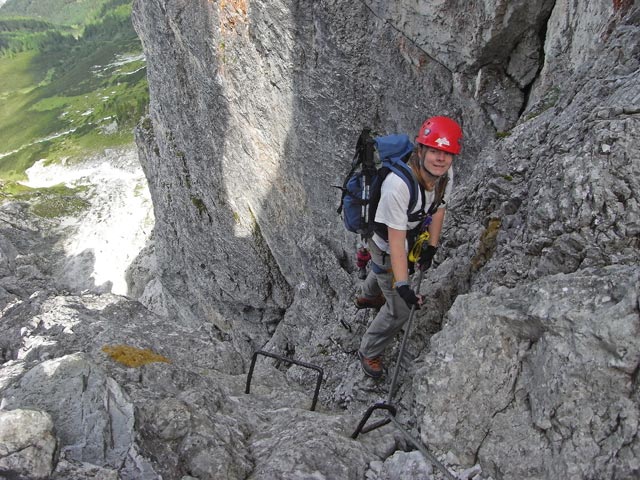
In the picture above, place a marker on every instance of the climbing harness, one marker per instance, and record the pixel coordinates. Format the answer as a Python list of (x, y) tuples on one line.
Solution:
[(287, 360)]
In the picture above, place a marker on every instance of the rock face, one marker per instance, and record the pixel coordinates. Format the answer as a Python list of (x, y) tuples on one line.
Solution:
[(567, 349), (93, 418), (187, 415), (525, 361), (28, 444)]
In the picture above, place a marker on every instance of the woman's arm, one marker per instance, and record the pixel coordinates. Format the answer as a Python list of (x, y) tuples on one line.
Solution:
[(436, 227), (398, 250), (400, 267)]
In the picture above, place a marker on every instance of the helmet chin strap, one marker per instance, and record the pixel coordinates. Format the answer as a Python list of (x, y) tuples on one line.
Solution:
[(423, 168), (433, 177)]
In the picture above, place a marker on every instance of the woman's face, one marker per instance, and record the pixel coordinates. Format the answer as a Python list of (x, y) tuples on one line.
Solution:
[(436, 162)]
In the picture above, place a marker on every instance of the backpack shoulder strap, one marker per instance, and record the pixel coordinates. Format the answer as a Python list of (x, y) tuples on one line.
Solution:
[(394, 151), (404, 172)]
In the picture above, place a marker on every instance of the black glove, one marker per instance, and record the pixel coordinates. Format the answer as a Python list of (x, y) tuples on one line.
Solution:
[(408, 295), (426, 257)]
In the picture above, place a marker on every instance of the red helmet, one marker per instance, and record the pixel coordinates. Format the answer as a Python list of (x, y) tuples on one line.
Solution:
[(442, 133)]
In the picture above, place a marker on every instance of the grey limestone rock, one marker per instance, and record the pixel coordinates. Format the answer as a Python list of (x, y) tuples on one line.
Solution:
[(401, 465), (27, 444), (93, 417), (575, 32), (247, 131), (525, 60), (465, 35), (74, 470), (500, 96), (544, 371), (527, 348)]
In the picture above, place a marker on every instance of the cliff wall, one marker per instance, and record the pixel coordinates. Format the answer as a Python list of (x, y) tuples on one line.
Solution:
[(524, 362), (255, 107)]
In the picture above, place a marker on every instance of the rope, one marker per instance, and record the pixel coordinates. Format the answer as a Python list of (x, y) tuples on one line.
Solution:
[(416, 250)]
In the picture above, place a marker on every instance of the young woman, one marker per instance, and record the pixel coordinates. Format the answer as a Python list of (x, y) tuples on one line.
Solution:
[(387, 284)]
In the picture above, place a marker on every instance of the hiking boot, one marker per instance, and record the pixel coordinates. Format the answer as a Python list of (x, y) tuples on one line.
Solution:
[(371, 366), (369, 302)]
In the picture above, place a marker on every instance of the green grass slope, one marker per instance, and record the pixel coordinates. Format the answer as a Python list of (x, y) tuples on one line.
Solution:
[(63, 12), (63, 97)]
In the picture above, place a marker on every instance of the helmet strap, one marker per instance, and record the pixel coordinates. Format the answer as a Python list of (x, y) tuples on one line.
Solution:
[(426, 177), (430, 175)]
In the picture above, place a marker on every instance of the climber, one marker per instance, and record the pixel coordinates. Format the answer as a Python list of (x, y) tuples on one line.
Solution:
[(387, 284)]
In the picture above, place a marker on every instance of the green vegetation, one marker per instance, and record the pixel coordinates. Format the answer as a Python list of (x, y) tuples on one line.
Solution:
[(487, 245), (67, 92), (62, 12), (199, 204), (51, 202), (548, 101), (22, 34)]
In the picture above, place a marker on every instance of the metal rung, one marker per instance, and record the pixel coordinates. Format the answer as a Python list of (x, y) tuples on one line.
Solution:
[(391, 418), (287, 360), (378, 406)]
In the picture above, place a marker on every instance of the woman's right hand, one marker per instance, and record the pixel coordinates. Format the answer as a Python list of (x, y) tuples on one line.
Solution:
[(409, 296)]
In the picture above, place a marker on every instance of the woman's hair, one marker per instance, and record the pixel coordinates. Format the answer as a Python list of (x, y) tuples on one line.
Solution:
[(413, 159)]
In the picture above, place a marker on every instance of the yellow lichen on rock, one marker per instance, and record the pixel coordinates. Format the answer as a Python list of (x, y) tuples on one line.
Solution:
[(132, 356), (488, 243)]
